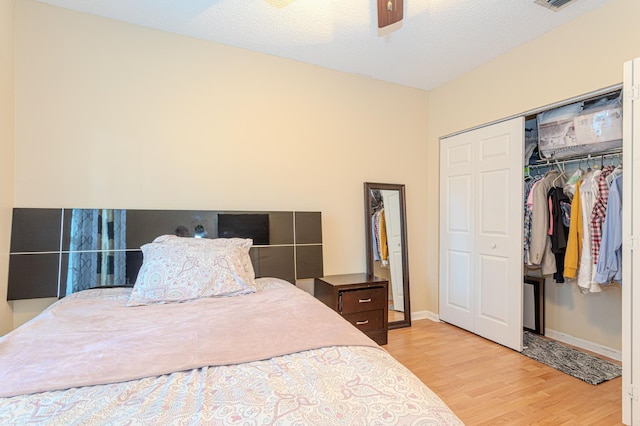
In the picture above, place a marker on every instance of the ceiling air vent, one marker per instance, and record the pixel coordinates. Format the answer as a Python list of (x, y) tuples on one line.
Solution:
[(554, 5)]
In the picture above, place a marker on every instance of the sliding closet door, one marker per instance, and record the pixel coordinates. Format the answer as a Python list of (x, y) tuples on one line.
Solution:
[(457, 231), (481, 231), (631, 246), (499, 218)]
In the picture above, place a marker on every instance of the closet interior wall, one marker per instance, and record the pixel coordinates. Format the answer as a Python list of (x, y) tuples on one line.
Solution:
[(589, 320)]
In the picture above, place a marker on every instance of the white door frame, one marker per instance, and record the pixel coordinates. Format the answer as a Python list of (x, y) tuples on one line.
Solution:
[(630, 245)]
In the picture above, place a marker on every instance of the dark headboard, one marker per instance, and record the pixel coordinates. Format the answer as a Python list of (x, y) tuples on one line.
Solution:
[(49, 246)]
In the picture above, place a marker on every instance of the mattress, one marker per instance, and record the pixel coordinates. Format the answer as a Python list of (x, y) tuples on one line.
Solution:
[(343, 381)]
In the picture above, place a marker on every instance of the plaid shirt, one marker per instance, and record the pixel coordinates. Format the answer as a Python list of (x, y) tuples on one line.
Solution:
[(599, 213)]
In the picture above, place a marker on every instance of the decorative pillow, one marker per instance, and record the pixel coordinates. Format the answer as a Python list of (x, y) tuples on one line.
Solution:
[(243, 243), (189, 269)]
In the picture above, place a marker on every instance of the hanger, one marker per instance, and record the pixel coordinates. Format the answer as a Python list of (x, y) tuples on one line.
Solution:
[(588, 165), (562, 173)]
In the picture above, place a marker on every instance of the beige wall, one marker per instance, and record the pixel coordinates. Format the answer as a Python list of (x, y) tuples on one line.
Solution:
[(6, 153), (128, 117), (578, 58)]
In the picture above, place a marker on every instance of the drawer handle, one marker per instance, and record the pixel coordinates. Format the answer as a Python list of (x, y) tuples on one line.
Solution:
[(362, 322), (364, 300)]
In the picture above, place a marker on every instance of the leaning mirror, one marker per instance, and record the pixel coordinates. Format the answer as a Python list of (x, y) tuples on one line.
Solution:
[(386, 236)]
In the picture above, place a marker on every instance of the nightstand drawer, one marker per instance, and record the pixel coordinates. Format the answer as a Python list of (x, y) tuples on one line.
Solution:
[(368, 299), (367, 321), (361, 299)]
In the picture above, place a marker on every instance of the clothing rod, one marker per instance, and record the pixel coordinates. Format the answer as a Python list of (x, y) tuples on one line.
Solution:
[(552, 162)]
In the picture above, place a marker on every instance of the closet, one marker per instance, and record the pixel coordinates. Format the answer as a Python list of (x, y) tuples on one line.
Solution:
[(482, 261), (489, 248), (579, 198)]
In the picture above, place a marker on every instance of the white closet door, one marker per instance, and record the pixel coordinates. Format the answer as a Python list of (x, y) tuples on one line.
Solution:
[(631, 246), (457, 231), (481, 231), (499, 219)]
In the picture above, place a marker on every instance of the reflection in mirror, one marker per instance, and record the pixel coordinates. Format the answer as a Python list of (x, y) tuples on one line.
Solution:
[(386, 233), (96, 250)]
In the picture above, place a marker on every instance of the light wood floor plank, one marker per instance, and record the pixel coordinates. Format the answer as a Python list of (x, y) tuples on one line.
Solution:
[(487, 384)]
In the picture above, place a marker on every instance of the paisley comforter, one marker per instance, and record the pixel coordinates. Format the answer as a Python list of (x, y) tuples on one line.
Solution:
[(350, 381)]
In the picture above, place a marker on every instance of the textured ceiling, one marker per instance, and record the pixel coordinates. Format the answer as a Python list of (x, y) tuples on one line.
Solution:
[(438, 40)]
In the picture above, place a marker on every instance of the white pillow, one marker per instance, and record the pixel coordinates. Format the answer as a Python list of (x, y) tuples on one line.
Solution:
[(177, 271)]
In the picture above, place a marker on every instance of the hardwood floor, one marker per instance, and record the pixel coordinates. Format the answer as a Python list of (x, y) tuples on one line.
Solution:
[(487, 384), (395, 315)]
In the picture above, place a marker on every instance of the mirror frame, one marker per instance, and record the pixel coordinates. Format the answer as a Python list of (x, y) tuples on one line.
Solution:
[(368, 186)]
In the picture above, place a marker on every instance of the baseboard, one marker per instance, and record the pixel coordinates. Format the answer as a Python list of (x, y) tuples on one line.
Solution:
[(420, 315), (584, 344), (556, 335)]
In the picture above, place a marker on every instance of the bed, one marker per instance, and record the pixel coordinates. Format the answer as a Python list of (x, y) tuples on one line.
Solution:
[(200, 340)]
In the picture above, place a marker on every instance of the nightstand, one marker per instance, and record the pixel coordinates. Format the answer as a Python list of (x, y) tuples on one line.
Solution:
[(360, 298)]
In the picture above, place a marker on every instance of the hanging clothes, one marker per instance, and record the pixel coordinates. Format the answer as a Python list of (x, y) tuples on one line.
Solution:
[(377, 207), (379, 226), (529, 184), (559, 229), (540, 242), (574, 238), (570, 186), (565, 223), (609, 265), (588, 194), (599, 212), (382, 231), (375, 247)]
